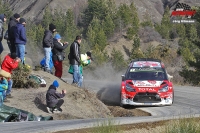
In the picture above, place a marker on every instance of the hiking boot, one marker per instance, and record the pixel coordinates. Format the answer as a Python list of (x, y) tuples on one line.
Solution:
[(9, 96), (56, 110), (6, 100), (49, 110)]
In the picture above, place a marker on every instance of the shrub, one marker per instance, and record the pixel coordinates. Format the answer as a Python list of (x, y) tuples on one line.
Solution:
[(21, 79)]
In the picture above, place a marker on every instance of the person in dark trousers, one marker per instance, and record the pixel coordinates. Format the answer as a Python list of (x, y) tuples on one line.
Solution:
[(8, 41), (11, 26), (2, 20), (48, 45), (20, 38), (75, 60), (58, 51), (53, 100)]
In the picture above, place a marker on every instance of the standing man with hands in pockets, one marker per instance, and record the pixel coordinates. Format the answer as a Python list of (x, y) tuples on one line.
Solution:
[(48, 45), (75, 59)]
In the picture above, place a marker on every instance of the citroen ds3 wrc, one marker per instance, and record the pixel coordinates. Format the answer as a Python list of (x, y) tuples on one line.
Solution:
[(146, 83)]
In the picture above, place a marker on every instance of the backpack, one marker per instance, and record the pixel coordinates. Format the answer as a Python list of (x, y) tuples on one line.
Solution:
[(38, 80)]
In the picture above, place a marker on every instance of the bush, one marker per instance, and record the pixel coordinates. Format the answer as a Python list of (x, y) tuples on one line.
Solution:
[(21, 79)]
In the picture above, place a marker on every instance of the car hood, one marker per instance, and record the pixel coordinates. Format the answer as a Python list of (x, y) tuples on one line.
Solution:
[(146, 83)]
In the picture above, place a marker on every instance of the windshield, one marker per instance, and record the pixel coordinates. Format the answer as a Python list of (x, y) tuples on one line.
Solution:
[(146, 74)]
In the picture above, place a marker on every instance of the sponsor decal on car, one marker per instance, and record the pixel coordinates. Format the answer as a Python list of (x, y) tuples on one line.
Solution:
[(147, 83), (146, 63), (146, 89)]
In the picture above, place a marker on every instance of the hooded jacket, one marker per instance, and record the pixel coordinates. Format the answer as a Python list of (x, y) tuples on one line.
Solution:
[(52, 96), (20, 34), (75, 53), (9, 64), (58, 49), (1, 26), (48, 39), (11, 27)]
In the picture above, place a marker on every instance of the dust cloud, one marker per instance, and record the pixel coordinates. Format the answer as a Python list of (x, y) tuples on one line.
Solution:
[(105, 81)]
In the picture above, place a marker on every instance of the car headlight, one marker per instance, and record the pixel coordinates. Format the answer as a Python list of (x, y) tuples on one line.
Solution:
[(129, 88), (164, 89)]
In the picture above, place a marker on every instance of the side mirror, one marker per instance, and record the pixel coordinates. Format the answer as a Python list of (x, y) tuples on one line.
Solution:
[(123, 77)]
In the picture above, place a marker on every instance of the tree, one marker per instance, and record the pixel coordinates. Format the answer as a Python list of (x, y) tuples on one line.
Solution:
[(70, 29), (136, 52), (165, 27), (96, 8), (134, 21), (124, 14), (117, 60), (47, 18), (101, 39), (108, 26)]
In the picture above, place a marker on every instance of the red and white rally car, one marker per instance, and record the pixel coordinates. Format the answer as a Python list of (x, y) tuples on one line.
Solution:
[(146, 83)]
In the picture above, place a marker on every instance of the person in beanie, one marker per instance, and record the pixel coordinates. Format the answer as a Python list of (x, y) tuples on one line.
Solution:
[(20, 39), (11, 26), (48, 45), (58, 51), (2, 20), (75, 59), (53, 100), (10, 62)]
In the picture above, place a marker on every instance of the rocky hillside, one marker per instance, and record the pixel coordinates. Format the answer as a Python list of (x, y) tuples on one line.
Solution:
[(33, 9)]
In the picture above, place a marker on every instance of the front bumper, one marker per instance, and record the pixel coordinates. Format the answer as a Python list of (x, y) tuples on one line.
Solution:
[(164, 101)]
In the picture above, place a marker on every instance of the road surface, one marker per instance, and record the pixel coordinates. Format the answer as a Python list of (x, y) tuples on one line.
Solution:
[(186, 104)]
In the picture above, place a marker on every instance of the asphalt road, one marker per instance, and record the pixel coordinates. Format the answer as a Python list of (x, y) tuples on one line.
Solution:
[(186, 104)]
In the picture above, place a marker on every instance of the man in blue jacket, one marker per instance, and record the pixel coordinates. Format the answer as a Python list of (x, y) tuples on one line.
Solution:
[(20, 38)]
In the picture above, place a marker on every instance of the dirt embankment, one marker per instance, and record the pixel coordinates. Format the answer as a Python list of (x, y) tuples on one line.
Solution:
[(79, 103)]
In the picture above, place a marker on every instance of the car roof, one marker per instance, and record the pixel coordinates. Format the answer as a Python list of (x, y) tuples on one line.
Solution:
[(146, 59), (146, 62)]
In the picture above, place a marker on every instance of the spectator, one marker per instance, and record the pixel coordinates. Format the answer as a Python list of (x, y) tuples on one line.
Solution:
[(20, 38), (75, 60), (2, 20), (3, 88), (48, 45), (10, 62), (86, 59), (52, 96), (58, 54), (11, 26)]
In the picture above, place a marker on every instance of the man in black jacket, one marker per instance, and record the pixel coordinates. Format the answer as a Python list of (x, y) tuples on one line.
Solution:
[(11, 26), (52, 96), (48, 45), (75, 59)]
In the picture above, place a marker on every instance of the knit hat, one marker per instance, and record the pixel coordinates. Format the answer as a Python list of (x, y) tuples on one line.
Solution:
[(13, 55), (57, 36), (52, 27), (16, 16), (22, 20), (55, 83)]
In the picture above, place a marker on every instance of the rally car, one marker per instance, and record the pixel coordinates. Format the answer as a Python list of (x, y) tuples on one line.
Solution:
[(146, 83)]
